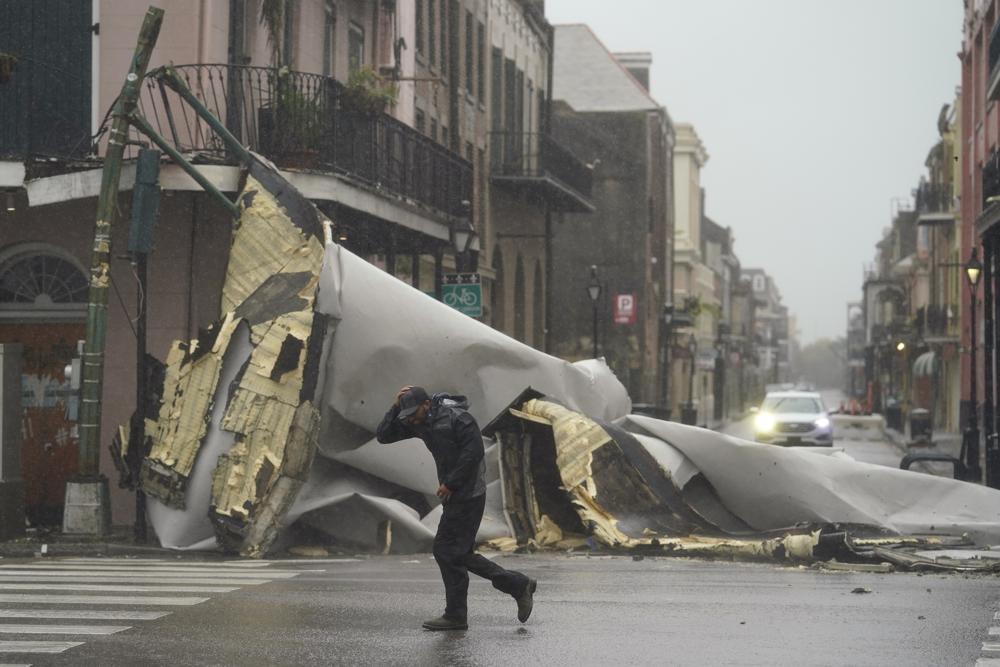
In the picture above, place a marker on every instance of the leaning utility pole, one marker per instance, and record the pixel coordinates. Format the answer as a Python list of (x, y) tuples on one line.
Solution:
[(87, 510)]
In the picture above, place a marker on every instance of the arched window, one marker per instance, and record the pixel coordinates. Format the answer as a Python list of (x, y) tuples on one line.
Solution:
[(538, 311), (40, 281), (496, 291), (519, 306)]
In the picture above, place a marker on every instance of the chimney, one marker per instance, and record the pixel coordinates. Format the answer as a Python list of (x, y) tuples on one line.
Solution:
[(637, 63)]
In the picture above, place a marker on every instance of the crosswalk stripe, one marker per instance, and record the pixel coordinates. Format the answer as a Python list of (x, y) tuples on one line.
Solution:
[(100, 599), (171, 568), (36, 647), (118, 588), (991, 646), (135, 579), (7, 664), (240, 576), (20, 629), (85, 614), (994, 631), (235, 564)]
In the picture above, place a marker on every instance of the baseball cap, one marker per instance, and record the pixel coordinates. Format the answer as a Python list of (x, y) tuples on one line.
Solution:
[(411, 400)]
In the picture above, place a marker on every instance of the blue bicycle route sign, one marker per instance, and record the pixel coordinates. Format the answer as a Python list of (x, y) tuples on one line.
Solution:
[(463, 292)]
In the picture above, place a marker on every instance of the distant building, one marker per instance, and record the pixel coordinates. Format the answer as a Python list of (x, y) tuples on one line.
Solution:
[(605, 115)]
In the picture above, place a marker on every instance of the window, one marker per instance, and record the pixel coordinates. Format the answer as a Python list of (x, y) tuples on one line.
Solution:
[(420, 122), (434, 129), (431, 38), (444, 36), (238, 42), (481, 64), (470, 151), (496, 90), (444, 134), (355, 47), (39, 279), (420, 26), (469, 54), (329, 28)]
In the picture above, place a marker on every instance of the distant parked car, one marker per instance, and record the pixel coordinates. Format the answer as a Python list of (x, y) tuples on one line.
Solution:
[(793, 418)]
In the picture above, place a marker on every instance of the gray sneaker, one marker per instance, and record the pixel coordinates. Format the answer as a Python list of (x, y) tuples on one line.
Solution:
[(526, 601), (446, 623)]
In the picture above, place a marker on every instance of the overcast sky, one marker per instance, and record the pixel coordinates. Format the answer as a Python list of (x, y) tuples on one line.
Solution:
[(815, 115)]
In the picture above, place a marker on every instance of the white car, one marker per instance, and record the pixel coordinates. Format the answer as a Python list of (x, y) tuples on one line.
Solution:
[(793, 418)]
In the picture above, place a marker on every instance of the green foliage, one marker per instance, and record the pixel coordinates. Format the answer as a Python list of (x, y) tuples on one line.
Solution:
[(8, 61), (367, 92), (298, 115), (272, 17)]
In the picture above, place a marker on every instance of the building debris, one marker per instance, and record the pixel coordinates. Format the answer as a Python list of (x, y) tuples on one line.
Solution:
[(266, 420)]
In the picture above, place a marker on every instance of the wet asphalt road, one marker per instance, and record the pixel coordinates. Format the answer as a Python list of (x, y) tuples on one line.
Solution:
[(589, 610)]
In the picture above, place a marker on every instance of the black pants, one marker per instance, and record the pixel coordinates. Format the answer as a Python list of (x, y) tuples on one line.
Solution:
[(453, 551)]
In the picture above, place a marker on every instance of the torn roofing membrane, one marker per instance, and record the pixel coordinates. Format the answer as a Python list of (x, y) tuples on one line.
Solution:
[(267, 419)]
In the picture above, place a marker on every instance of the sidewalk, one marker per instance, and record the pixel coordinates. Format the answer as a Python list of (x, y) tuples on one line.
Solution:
[(119, 542)]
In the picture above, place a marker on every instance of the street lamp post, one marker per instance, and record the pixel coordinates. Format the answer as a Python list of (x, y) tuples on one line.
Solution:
[(689, 415), (668, 321), (594, 291), (970, 445)]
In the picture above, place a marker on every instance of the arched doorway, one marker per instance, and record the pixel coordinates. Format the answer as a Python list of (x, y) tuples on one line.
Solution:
[(520, 331), (538, 310), (496, 292), (43, 306)]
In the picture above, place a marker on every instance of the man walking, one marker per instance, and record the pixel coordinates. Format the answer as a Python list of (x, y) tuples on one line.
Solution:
[(452, 436)]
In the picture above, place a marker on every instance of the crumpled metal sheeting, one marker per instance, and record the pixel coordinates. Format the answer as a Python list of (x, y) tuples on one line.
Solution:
[(191, 379), (771, 487), (403, 336)]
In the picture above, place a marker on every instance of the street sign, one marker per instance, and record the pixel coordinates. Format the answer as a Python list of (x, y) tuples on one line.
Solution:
[(625, 309), (463, 292)]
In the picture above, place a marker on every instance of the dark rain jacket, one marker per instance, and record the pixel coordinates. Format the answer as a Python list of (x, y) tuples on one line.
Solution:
[(453, 438)]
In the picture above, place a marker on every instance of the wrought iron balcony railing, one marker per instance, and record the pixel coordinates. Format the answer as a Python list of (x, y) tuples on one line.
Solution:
[(535, 160), (991, 178), (934, 198), (312, 122)]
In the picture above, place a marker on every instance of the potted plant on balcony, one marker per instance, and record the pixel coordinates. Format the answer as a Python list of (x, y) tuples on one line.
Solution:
[(368, 93), (292, 122)]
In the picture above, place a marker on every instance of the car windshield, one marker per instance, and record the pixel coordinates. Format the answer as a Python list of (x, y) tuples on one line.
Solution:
[(799, 404)]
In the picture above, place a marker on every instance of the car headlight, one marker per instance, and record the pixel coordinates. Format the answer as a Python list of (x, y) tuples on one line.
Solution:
[(822, 422), (764, 422)]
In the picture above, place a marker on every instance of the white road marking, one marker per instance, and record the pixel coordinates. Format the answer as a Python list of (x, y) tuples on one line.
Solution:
[(36, 647), (85, 614), (994, 631), (10, 628), (7, 664), (316, 560), (988, 662), (991, 646), (183, 576), (117, 588), (83, 578), (277, 574), (100, 599), (236, 564)]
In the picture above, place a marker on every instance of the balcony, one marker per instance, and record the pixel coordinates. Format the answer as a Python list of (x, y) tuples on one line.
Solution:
[(990, 215), (306, 121), (934, 204), (534, 163), (935, 325), (993, 82)]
